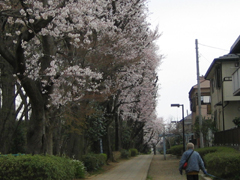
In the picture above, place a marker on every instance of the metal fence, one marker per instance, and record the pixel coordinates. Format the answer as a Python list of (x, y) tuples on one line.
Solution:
[(229, 137)]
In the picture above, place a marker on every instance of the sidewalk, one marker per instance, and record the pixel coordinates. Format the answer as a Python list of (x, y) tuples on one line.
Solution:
[(161, 169), (139, 168), (134, 169)]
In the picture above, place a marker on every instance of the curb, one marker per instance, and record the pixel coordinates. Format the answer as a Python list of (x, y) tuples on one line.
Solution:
[(149, 165)]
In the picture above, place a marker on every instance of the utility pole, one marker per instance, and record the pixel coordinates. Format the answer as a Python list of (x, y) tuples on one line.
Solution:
[(199, 96)]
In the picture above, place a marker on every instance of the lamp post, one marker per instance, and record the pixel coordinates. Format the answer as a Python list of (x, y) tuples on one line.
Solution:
[(177, 105)]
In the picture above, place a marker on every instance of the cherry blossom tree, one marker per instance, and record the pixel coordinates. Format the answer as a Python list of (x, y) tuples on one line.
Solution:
[(58, 51), (152, 130), (136, 99)]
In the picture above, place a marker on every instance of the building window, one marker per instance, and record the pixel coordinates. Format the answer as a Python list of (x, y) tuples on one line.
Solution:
[(205, 99)]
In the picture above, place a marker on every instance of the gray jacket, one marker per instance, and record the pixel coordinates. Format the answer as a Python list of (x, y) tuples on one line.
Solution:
[(195, 162)]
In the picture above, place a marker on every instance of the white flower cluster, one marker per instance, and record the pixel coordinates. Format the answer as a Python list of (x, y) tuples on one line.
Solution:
[(75, 80), (91, 26)]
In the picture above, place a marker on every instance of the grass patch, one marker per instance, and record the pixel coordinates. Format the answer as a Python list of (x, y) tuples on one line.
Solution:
[(149, 178)]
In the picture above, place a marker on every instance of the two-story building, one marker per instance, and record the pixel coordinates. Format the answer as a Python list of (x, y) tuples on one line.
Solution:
[(225, 105), (205, 99), (235, 49), (205, 103)]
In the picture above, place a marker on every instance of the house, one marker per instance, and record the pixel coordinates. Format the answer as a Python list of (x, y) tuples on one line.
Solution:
[(205, 103), (225, 99), (205, 99), (235, 49)]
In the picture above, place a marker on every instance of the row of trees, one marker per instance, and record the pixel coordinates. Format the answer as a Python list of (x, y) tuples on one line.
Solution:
[(75, 73)]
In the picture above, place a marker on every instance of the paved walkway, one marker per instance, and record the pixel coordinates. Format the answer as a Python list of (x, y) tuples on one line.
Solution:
[(153, 167), (134, 169), (161, 169)]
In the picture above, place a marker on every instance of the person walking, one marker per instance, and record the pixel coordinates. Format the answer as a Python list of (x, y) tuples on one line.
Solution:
[(195, 163)]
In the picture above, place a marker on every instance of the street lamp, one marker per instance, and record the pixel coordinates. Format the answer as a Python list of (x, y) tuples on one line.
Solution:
[(177, 105)]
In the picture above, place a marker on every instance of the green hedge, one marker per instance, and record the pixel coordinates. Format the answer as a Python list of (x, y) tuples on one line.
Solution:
[(175, 150), (94, 162), (224, 164), (125, 154), (38, 167), (79, 169), (207, 150), (221, 161), (133, 152)]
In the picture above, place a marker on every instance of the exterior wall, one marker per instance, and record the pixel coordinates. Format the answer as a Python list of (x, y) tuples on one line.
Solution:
[(223, 104), (204, 113), (228, 68), (231, 111), (236, 82), (216, 97), (193, 118), (216, 94), (205, 91), (228, 92), (217, 118)]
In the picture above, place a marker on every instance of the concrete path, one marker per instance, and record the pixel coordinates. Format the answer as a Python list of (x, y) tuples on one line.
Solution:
[(161, 169), (134, 169), (145, 167)]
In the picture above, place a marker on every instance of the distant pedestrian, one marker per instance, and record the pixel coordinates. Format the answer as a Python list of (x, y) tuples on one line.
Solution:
[(195, 163)]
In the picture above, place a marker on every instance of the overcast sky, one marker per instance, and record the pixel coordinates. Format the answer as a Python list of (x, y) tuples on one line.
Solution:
[(215, 23)]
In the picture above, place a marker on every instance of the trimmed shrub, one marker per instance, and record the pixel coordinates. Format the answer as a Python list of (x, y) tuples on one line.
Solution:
[(207, 150), (176, 150), (221, 161), (223, 164), (94, 162), (116, 155), (102, 159), (125, 154), (79, 169), (133, 152), (37, 167)]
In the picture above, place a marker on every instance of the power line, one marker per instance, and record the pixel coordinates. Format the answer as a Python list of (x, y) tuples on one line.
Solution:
[(201, 55), (213, 47)]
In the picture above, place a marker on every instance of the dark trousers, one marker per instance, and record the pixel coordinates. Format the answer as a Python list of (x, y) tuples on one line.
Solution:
[(192, 177)]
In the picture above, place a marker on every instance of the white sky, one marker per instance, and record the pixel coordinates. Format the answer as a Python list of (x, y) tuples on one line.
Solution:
[(214, 23)]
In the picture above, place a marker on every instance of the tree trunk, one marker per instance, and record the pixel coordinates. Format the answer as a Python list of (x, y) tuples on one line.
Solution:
[(118, 144), (49, 141), (7, 108), (110, 154), (35, 134), (117, 136)]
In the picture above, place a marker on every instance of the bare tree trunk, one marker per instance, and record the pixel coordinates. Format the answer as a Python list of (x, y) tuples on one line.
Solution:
[(110, 154), (118, 144), (37, 126), (7, 107), (49, 141), (117, 136), (36, 129)]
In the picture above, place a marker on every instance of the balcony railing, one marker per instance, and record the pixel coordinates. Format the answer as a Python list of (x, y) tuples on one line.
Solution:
[(229, 137), (236, 82)]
